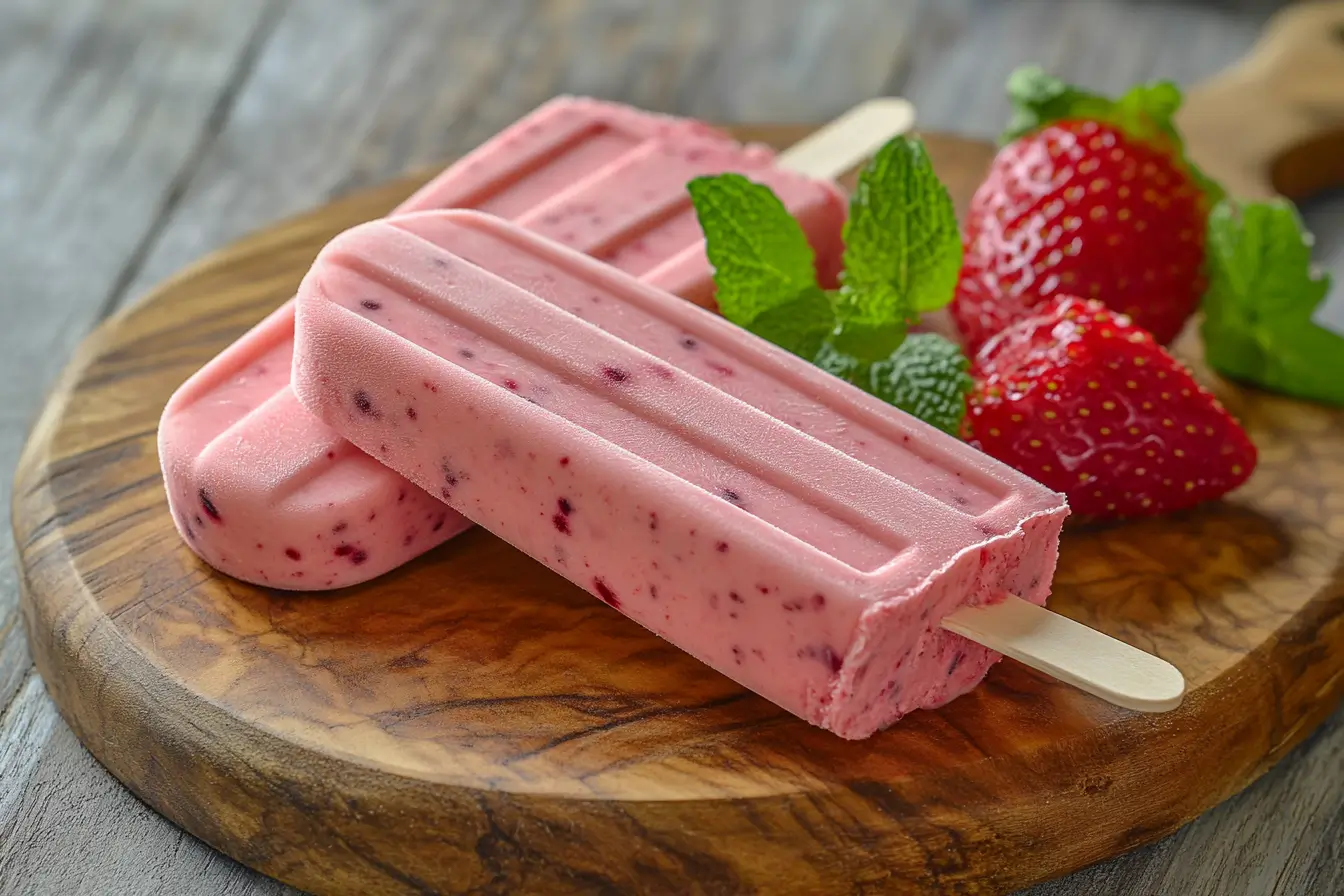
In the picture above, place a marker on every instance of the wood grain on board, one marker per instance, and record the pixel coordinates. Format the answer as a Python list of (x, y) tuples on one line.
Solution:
[(210, 121)]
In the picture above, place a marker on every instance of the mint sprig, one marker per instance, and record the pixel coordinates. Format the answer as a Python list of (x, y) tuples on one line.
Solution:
[(902, 258), (1263, 294), (1145, 112)]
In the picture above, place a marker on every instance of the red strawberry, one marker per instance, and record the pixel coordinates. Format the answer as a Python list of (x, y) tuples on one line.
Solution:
[(1092, 198), (1089, 404)]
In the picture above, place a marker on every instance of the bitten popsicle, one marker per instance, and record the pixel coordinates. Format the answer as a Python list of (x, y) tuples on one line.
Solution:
[(268, 494), (800, 536)]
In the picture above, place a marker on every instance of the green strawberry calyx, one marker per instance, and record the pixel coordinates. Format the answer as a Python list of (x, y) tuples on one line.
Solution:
[(1146, 113)]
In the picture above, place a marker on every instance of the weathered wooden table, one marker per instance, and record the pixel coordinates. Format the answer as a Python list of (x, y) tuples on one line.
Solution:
[(138, 135)]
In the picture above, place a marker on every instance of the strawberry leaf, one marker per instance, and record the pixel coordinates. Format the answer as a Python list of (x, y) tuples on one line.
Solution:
[(1263, 293), (1145, 112)]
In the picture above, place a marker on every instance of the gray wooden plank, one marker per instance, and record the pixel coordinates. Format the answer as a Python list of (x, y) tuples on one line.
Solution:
[(1279, 837), (959, 72), (108, 842), (104, 106)]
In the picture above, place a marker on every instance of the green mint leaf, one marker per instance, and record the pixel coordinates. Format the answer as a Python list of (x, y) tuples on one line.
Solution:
[(868, 341), (1263, 292), (902, 245), (800, 325), (927, 378), (1145, 112), (760, 254), (842, 364)]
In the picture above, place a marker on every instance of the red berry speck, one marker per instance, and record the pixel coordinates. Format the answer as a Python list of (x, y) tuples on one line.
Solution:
[(364, 403), (209, 506), (608, 596)]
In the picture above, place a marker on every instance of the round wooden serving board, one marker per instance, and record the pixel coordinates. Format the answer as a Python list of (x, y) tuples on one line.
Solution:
[(474, 723)]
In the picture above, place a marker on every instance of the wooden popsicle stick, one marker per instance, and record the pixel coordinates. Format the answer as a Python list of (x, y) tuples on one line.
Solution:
[(850, 139), (1075, 654)]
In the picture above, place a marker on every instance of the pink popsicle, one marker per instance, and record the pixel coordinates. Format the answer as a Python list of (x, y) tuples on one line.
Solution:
[(796, 534), (269, 494)]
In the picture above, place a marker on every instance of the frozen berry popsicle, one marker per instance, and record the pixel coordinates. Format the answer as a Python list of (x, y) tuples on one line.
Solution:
[(800, 536), (270, 495)]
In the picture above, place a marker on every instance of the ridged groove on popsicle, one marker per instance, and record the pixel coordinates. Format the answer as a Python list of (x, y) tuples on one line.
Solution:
[(710, 348), (615, 387), (566, 140)]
